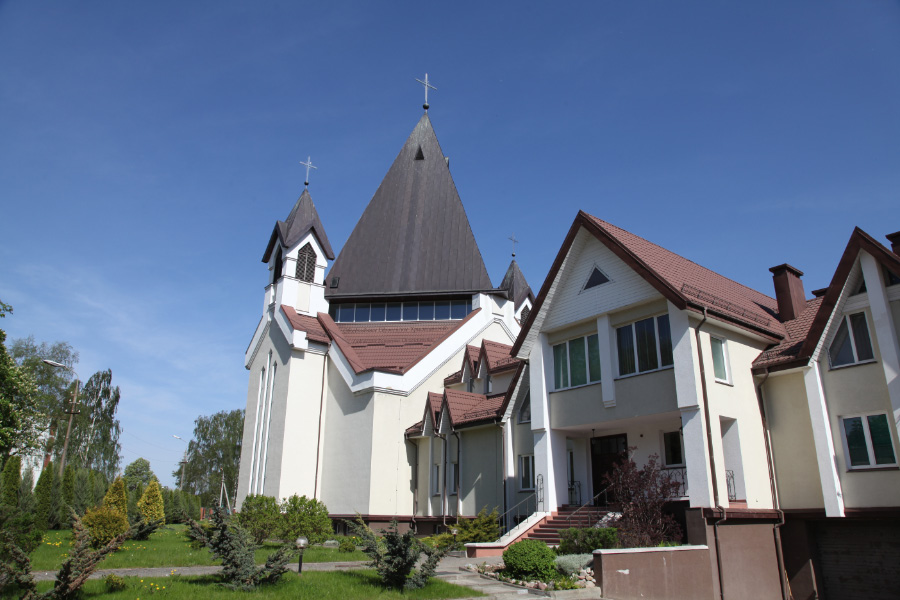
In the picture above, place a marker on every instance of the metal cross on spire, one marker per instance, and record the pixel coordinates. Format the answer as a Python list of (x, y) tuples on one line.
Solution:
[(514, 241), (308, 164), (427, 87)]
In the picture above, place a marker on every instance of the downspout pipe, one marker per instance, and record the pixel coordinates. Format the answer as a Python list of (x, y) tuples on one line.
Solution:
[(415, 511), (443, 438), (776, 530), (456, 473), (502, 427), (712, 460)]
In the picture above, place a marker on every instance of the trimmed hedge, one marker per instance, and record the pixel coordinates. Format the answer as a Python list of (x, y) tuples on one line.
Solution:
[(530, 559), (584, 540)]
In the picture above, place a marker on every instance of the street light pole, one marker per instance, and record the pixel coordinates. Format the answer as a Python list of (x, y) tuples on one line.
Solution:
[(72, 412)]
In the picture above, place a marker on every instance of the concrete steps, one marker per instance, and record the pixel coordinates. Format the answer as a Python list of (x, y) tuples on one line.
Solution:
[(548, 531)]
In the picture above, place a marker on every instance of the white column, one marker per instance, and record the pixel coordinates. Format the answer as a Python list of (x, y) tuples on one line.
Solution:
[(549, 446), (607, 351), (821, 426), (689, 399), (509, 469), (885, 334)]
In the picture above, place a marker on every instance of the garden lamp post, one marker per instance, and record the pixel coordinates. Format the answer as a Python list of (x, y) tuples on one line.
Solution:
[(301, 543), (59, 365), (183, 459)]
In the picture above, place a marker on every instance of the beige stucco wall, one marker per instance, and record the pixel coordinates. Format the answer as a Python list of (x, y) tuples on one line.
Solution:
[(523, 444), (793, 447), (300, 445), (481, 470), (854, 390)]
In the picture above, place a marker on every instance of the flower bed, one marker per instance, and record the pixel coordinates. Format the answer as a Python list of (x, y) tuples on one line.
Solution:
[(583, 579)]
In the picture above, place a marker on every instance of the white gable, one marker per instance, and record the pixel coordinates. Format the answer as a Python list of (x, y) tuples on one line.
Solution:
[(573, 303)]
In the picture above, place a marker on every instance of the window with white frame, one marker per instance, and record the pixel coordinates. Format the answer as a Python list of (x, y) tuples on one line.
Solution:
[(525, 411), (851, 343), (867, 441), (673, 449), (452, 478), (576, 362), (721, 368), (526, 472), (488, 383), (435, 480), (644, 345)]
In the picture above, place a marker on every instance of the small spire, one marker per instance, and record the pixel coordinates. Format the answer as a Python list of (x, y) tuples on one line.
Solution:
[(514, 241), (427, 87), (308, 164)]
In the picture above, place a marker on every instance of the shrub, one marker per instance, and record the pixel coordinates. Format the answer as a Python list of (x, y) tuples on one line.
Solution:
[(141, 528), (10, 481), (303, 516), (643, 493), (104, 524), (484, 527), (444, 541), (529, 559), (233, 546), (116, 498), (195, 539), (580, 540), (259, 517), (151, 503), (347, 546), (394, 556), (571, 564), (114, 583), (42, 493)]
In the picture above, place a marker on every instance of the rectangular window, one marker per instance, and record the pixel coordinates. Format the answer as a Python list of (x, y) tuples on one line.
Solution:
[(458, 309), (426, 311), (393, 312), (410, 311), (673, 454), (362, 313), (452, 478), (378, 312), (867, 440), (560, 367), (435, 480), (637, 345), (345, 313), (442, 310), (720, 360), (525, 411), (851, 343), (593, 347), (526, 472), (577, 362)]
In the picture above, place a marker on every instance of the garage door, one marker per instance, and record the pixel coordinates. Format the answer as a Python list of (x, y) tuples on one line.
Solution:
[(859, 559)]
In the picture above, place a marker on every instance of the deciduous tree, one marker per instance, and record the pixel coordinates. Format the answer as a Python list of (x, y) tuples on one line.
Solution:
[(138, 473), (215, 449), (19, 420)]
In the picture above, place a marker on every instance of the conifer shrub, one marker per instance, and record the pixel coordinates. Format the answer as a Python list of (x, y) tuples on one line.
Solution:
[(303, 516), (58, 518), (572, 564), (581, 540), (67, 495), (27, 503), (394, 555), (151, 503), (530, 559), (485, 527), (83, 496), (233, 546), (42, 493), (260, 516), (104, 524), (347, 545), (114, 583), (116, 498), (10, 481)]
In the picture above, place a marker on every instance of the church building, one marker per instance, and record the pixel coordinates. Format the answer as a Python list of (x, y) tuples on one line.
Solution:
[(378, 386)]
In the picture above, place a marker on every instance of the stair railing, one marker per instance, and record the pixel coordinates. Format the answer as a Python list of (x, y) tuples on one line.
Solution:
[(602, 493), (523, 509)]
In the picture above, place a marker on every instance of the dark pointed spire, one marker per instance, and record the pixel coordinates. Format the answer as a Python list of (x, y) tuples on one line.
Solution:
[(516, 286), (302, 218), (414, 236)]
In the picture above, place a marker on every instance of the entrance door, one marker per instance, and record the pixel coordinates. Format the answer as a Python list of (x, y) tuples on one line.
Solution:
[(605, 452)]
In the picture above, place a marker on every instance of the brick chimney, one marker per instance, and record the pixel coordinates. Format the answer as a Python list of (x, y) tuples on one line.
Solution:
[(788, 291), (894, 239)]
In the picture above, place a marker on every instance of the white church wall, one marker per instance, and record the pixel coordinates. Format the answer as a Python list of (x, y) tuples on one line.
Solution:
[(481, 470), (346, 465)]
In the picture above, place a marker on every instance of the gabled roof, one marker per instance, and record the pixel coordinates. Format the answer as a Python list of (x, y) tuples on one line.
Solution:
[(496, 354), (516, 286), (818, 311), (433, 405), (465, 409), (390, 347), (302, 219), (414, 236), (314, 330), (685, 283)]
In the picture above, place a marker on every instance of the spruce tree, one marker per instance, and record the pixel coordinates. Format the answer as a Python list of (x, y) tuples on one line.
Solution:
[(26, 493), (151, 503), (134, 496), (42, 492), (98, 487), (177, 507), (115, 497), (83, 493), (57, 519), (9, 482), (68, 487)]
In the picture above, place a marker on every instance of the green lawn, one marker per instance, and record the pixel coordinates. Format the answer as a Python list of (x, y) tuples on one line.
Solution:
[(324, 585), (168, 547)]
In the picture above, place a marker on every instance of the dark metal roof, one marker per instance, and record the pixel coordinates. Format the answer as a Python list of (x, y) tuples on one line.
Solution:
[(516, 286), (414, 236), (302, 218)]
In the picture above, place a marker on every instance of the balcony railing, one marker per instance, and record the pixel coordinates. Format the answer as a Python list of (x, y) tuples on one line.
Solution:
[(679, 476), (729, 483)]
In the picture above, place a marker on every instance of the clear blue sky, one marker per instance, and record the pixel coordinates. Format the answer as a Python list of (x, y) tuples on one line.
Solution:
[(146, 150)]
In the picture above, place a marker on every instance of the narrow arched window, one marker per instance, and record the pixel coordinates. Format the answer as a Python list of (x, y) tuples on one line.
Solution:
[(306, 264), (278, 266)]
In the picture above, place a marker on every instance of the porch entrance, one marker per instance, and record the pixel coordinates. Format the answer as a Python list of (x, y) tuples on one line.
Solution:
[(605, 452)]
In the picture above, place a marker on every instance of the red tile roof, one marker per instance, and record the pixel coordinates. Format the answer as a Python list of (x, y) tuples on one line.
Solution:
[(389, 347), (311, 325), (797, 331), (498, 356)]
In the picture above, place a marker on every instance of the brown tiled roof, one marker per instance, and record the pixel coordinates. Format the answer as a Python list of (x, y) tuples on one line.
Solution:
[(488, 409), (498, 356), (388, 347), (452, 378), (797, 331), (311, 325)]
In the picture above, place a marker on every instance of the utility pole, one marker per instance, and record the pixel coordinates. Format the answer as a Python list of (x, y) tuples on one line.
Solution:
[(71, 412)]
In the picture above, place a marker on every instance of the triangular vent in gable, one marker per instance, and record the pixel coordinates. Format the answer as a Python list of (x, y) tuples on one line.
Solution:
[(597, 277), (419, 154)]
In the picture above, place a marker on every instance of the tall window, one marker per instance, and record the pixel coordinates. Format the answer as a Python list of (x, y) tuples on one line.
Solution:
[(851, 343), (452, 478), (867, 440), (525, 411), (673, 453), (306, 264), (720, 360), (576, 362), (435, 480), (644, 345), (278, 266), (526, 472)]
